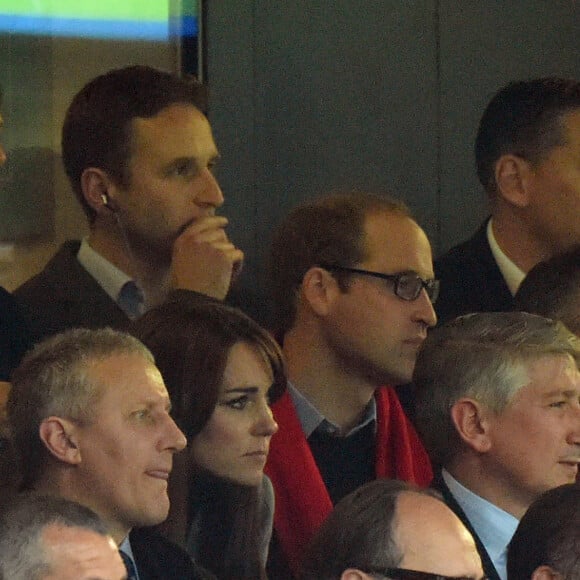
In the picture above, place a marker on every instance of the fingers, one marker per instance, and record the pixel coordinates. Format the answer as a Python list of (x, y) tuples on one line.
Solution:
[(204, 259)]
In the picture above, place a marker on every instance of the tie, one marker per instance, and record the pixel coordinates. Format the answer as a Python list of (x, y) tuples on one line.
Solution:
[(129, 566), (131, 300)]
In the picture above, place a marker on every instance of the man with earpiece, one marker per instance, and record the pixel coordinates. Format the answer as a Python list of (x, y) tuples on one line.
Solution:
[(139, 154)]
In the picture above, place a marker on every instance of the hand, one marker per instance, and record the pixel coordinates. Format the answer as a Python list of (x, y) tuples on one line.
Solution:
[(204, 260)]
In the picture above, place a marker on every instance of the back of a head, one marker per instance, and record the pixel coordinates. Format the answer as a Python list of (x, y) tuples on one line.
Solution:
[(523, 119), (97, 125), (328, 230), (359, 533), (22, 556), (480, 356), (548, 535), (552, 289)]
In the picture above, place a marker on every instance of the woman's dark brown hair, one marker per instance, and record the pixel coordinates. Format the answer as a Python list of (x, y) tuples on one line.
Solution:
[(191, 342)]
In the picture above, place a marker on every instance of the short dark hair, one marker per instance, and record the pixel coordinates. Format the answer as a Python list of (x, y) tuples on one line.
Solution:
[(525, 119), (97, 125), (548, 535), (53, 379), (359, 532), (21, 527), (552, 289), (328, 230)]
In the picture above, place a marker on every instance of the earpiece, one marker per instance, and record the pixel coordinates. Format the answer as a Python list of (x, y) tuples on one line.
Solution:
[(106, 202)]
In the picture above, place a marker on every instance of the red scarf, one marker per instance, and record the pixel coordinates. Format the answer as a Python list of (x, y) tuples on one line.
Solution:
[(302, 500)]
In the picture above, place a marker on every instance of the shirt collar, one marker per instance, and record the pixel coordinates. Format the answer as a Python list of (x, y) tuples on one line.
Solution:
[(311, 418), (512, 274), (125, 547), (494, 526), (108, 276)]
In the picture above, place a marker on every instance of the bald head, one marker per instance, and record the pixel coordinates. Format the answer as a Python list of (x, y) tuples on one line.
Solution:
[(388, 524), (433, 539)]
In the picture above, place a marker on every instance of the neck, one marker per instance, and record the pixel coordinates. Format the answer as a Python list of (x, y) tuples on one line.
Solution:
[(59, 485), (483, 480), (330, 386), (516, 240), (150, 274)]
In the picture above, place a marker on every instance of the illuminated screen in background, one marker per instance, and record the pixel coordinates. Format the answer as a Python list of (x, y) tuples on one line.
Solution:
[(121, 19)]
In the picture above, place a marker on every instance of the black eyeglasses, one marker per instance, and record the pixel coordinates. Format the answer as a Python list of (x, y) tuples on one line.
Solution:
[(404, 574), (407, 285)]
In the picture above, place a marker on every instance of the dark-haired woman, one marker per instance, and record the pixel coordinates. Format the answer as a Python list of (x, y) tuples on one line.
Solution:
[(222, 371)]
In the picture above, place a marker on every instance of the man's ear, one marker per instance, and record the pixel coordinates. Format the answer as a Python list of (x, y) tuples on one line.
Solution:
[(319, 288), (546, 573), (471, 423), (354, 574), (512, 176), (59, 437), (96, 186)]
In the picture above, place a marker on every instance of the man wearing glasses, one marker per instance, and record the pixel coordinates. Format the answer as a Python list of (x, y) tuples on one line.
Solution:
[(387, 529), (498, 407), (353, 286)]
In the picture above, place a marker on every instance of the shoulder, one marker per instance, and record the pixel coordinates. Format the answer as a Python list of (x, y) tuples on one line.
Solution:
[(158, 558), (466, 254), (63, 266)]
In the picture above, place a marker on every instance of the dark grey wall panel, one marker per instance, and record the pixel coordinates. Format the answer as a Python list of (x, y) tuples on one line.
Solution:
[(344, 96), (230, 72)]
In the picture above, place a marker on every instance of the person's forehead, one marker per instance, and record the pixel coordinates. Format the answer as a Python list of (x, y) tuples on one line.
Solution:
[(126, 374), (544, 378), (171, 118), (394, 242)]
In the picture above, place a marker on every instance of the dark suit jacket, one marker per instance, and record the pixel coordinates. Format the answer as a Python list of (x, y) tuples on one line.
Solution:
[(14, 335), (471, 280), (159, 559), (64, 295), (488, 567)]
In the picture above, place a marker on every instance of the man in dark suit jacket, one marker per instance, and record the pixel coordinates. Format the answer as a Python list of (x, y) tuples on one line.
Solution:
[(90, 420), (525, 150), (139, 154), (497, 407)]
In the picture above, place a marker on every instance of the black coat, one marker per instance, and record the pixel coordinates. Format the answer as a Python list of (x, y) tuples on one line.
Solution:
[(471, 280), (157, 558), (488, 567)]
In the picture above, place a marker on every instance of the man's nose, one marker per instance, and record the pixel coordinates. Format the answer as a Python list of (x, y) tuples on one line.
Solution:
[(425, 311), (210, 194)]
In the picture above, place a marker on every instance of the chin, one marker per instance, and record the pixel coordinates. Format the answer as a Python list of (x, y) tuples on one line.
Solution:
[(156, 514), (249, 480)]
